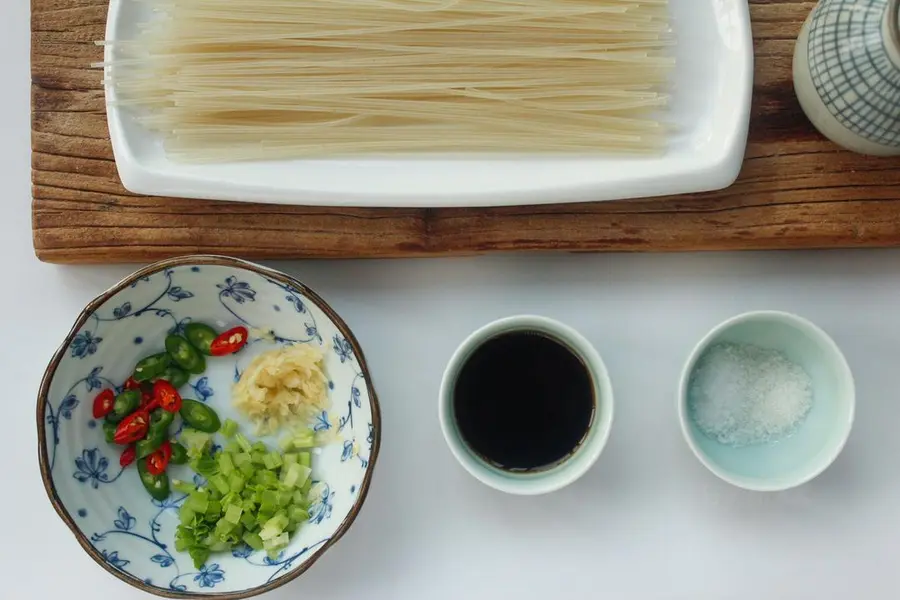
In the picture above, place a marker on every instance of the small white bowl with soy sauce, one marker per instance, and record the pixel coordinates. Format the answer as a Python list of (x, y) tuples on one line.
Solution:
[(526, 405)]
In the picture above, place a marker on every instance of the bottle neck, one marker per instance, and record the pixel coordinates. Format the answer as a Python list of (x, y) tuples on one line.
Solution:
[(890, 29)]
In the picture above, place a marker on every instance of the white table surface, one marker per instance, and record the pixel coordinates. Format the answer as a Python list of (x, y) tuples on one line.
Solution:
[(646, 522)]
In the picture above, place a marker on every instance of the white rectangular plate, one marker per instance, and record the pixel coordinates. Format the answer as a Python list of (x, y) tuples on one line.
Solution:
[(711, 108)]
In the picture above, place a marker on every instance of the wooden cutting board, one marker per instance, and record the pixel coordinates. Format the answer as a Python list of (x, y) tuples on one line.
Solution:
[(796, 190)]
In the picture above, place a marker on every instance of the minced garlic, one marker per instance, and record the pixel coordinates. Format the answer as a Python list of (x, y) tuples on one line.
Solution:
[(282, 386)]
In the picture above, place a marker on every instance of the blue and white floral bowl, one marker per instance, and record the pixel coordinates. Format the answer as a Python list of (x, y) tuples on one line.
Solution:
[(113, 518)]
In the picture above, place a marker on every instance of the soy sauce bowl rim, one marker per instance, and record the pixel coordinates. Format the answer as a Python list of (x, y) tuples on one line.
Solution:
[(571, 468)]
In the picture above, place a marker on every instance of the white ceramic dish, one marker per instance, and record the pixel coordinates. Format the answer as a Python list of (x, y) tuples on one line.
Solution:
[(711, 108)]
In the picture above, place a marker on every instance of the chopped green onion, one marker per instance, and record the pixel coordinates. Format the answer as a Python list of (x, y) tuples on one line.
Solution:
[(247, 470), (304, 439), (266, 478), (233, 514), (269, 501), (236, 482), (298, 514), (277, 543), (296, 475), (196, 442), (248, 520), (305, 459), (253, 540), (224, 526), (219, 482), (205, 465), (186, 513), (229, 428), (272, 461), (197, 501), (243, 442), (226, 465), (199, 554), (254, 495), (183, 486)]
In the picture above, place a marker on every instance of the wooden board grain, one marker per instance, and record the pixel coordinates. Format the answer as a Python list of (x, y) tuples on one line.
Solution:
[(796, 190)]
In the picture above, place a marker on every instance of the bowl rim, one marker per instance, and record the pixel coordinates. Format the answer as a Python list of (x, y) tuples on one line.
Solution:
[(567, 472), (701, 346), (90, 308)]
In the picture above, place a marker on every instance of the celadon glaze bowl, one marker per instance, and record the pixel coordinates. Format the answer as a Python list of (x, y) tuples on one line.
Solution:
[(819, 438), (105, 506)]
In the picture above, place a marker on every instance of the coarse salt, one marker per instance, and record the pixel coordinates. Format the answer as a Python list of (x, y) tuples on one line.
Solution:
[(742, 395)]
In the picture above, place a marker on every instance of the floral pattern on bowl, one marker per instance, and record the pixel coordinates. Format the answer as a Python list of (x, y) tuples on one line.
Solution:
[(112, 516)]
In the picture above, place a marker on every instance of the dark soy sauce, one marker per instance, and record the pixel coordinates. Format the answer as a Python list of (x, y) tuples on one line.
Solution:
[(523, 401)]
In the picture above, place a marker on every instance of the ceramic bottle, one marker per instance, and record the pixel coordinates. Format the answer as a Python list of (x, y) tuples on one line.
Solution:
[(847, 73)]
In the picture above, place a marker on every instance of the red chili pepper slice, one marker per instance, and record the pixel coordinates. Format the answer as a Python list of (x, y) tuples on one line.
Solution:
[(132, 428), (128, 456), (166, 396), (103, 403), (159, 460), (131, 384), (229, 342), (146, 395)]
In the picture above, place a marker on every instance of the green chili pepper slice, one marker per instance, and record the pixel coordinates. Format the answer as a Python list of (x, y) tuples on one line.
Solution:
[(126, 403), (109, 431), (199, 416), (160, 420), (151, 366), (156, 485), (151, 443), (185, 355), (174, 375), (179, 454), (200, 335)]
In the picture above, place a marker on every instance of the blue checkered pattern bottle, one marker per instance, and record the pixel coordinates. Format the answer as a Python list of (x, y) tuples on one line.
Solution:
[(847, 73)]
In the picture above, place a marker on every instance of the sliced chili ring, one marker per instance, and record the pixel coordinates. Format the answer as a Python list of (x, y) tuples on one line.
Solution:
[(128, 456), (229, 342), (132, 428), (159, 460), (165, 394), (103, 403)]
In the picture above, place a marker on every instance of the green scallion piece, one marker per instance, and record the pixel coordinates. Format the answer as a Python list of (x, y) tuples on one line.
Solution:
[(305, 459), (198, 501), (233, 514), (248, 520), (226, 464), (236, 482), (213, 509), (229, 428), (253, 540), (183, 486), (243, 442), (272, 460), (219, 482)]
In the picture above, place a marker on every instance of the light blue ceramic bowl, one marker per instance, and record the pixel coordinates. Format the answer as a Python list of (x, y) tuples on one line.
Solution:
[(113, 518), (820, 438)]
